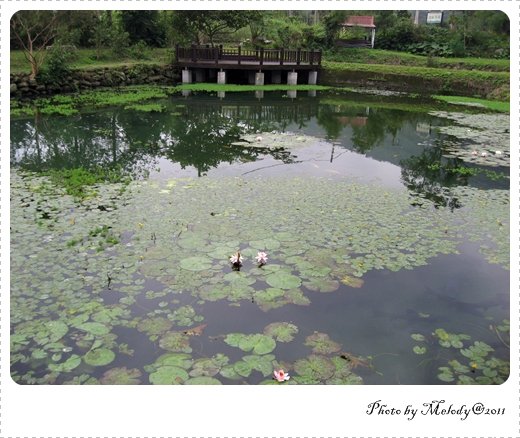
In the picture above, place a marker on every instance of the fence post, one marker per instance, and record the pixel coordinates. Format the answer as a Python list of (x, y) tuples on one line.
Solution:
[(298, 56), (239, 54), (261, 56), (282, 54)]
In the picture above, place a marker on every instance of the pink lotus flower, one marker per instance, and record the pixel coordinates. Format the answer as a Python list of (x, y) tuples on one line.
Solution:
[(261, 258), (236, 259), (281, 375)]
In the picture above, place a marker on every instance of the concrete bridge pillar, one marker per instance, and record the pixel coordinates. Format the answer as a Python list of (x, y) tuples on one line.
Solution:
[(276, 77), (200, 75), (259, 78), (221, 77), (313, 77), (186, 76), (292, 78)]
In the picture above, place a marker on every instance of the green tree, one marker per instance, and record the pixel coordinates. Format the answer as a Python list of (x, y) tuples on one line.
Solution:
[(211, 24), (34, 30), (143, 26)]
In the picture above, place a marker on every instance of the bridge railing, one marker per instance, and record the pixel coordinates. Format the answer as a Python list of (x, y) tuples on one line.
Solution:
[(257, 56)]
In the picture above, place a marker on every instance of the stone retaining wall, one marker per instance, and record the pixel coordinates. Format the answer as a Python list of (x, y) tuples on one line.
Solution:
[(141, 74)]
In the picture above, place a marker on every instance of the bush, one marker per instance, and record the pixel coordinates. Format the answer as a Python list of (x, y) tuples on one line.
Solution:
[(397, 37), (140, 51), (57, 65), (119, 43)]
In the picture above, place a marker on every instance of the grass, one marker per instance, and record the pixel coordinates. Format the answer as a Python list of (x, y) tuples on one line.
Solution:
[(422, 72), (78, 182), (85, 59), (473, 101), (238, 88), (389, 57)]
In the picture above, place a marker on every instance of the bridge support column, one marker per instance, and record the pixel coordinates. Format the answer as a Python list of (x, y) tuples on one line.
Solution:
[(186, 76), (200, 75), (221, 77), (313, 77), (292, 78), (259, 78), (276, 77)]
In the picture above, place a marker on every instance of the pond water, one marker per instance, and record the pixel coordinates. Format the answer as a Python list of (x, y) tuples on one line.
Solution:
[(386, 229)]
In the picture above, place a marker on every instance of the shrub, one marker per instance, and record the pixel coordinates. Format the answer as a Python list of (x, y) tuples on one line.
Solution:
[(57, 65)]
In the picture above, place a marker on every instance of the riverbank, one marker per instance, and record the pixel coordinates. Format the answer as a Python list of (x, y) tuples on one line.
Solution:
[(360, 68)]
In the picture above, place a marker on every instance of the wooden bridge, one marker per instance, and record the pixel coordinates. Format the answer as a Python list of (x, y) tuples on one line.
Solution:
[(206, 60)]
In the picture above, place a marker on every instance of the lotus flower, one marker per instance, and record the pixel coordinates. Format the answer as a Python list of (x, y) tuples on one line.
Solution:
[(281, 375), (236, 259), (261, 258), (483, 154), (474, 153), (498, 152)]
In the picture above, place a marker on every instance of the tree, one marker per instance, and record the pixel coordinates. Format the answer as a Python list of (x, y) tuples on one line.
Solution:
[(213, 23), (143, 26), (34, 30)]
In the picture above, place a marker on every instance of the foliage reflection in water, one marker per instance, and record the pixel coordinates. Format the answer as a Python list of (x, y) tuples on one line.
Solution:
[(354, 206)]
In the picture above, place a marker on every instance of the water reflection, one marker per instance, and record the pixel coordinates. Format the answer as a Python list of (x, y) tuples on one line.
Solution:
[(199, 131)]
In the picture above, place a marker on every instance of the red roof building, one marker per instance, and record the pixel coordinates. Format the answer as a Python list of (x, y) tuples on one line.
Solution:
[(360, 21)]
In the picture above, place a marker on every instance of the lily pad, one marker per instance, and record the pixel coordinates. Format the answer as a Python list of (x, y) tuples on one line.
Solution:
[(67, 366), (57, 330), (316, 368), (95, 328), (352, 281), (203, 380), (175, 342), (99, 357), (322, 344), (281, 331), (121, 376), (196, 263), (155, 325), (263, 364), (283, 280), (258, 343), (322, 285), (168, 375)]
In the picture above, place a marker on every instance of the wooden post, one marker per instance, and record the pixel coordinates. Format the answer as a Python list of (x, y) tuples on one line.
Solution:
[(298, 56), (261, 56), (239, 54), (282, 54)]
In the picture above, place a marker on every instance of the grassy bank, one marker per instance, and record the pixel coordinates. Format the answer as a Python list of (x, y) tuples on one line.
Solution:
[(389, 57), (144, 98), (85, 59), (477, 83)]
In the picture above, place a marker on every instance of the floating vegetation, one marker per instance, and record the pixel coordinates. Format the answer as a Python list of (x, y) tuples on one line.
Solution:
[(475, 363), (146, 263), (480, 138)]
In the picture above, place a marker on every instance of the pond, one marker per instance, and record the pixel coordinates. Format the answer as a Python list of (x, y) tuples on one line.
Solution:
[(385, 224)]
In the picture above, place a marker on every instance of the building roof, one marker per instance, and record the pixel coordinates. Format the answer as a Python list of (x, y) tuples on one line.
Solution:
[(360, 21)]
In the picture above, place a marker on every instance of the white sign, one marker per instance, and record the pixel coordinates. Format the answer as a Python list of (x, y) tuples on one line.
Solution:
[(434, 18)]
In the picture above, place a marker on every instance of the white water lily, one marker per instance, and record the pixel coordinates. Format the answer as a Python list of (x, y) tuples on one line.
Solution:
[(498, 152), (236, 259), (483, 154), (261, 258)]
